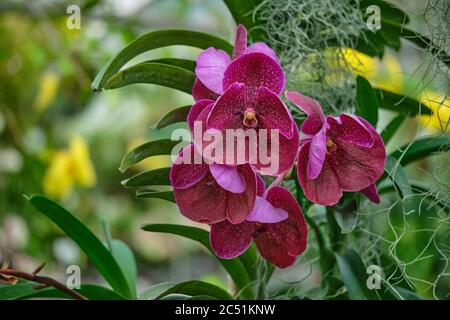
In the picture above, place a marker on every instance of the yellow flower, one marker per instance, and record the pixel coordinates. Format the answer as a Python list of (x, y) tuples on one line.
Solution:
[(440, 105), (48, 86), (69, 167)]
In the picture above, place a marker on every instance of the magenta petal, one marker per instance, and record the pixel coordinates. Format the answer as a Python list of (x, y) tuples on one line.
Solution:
[(255, 70), (228, 109), (358, 167), (284, 159), (239, 205), (261, 186), (204, 202), (317, 153), (184, 175), (210, 68), (281, 242), (230, 240), (228, 177), (262, 48), (240, 43), (312, 108), (196, 110), (371, 193), (264, 212), (350, 129), (199, 91), (272, 113), (325, 189)]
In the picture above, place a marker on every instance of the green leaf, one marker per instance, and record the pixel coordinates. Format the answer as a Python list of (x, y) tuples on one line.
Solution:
[(154, 40), (242, 12), (354, 275), (234, 267), (388, 11), (421, 148), (197, 288), (392, 127), (182, 63), (97, 253), (154, 291), (163, 195), (398, 176), (153, 148), (154, 73), (125, 258), (174, 116), (394, 102), (366, 101), (157, 177), (26, 291)]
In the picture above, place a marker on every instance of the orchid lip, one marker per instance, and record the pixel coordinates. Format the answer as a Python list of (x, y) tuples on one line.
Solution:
[(250, 118)]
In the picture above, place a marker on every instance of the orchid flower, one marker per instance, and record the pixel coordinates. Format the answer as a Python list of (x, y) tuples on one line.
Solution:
[(247, 87), (279, 240), (337, 154), (211, 193)]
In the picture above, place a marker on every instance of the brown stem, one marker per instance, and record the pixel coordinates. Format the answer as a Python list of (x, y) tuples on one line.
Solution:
[(44, 281)]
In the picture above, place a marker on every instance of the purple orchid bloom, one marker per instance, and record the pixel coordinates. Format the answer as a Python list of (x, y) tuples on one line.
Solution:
[(247, 88), (337, 154), (212, 193), (280, 239)]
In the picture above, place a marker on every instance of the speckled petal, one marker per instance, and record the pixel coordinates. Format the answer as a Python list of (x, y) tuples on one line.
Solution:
[(312, 108), (184, 175), (195, 111), (239, 205), (325, 189), (240, 43), (255, 70), (280, 243), (204, 202), (358, 167), (272, 113), (287, 153), (230, 240), (350, 129), (371, 193), (227, 112), (200, 91), (210, 68), (263, 48)]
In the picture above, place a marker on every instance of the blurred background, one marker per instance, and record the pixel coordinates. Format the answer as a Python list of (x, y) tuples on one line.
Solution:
[(59, 138)]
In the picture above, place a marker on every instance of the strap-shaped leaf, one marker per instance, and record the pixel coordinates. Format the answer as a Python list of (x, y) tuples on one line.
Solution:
[(154, 73), (392, 127), (97, 253), (148, 149), (366, 101), (242, 12), (196, 288), (354, 275), (394, 102), (27, 290), (234, 267), (178, 115), (157, 177), (127, 262), (182, 63), (163, 195), (154, 40), (421, 148)]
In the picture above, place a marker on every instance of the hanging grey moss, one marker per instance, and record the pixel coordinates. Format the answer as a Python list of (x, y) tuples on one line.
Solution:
[(309, 36)]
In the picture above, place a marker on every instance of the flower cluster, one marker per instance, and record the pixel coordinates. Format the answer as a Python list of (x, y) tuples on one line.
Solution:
[(242, 92)]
